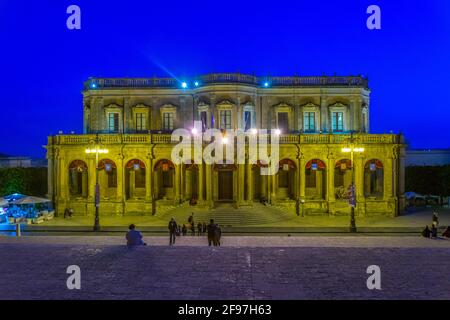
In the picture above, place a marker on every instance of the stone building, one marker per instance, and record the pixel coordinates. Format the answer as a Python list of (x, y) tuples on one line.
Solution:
[(134, 118)]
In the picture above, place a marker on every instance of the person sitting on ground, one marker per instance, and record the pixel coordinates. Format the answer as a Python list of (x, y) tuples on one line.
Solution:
[(134, 237), (433, 231), (446, 233), (426, 232)]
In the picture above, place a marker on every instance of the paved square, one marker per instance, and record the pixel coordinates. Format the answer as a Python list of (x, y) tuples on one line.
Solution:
[(244, 268)]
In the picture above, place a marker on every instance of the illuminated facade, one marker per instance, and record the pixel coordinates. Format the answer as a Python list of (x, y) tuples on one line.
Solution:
[(133, 119)]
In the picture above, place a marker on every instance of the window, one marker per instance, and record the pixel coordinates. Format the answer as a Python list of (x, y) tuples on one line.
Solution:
[(113, 122), (141, 122), (168, 121), (309, 121), (283, 121), (338, 121), (247, 120), (204, 119), (225, 119)]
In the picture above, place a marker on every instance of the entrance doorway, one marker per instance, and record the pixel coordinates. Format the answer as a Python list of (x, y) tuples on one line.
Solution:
[(225, 185)]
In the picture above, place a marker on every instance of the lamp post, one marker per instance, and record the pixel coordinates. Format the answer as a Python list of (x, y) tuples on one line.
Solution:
[(97, 151), (352, 201)]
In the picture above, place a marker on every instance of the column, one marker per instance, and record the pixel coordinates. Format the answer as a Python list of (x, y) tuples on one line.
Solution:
[(273, 187), (387, 179), (249, 183), (148, 185), (127, 116), (120, 185), (91, 177), (241, 183), (120, 178), (177, 182), (238, 124), (208, 186), (324, 126), (214, 123), (50, 175), (200, 183), (302, 178), (330, 185), (359, 183), (401, 178), (182, 182)]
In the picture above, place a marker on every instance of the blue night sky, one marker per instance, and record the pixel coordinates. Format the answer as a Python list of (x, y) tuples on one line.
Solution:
[(43, 64)]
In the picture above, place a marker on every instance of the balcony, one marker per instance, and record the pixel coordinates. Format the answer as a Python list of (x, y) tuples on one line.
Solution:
[(227, 78), (155, 138)]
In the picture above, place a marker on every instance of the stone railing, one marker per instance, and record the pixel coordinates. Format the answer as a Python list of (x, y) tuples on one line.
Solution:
[(231, 78), (157, 138)]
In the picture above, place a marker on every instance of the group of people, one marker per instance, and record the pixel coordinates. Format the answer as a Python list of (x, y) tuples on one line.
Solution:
[(433, 231), (212, 229)]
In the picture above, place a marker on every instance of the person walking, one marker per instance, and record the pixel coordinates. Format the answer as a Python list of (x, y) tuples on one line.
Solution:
[(211, 228), (199, 229), (204, 228), (191, 218), (173, 231), (134, 237), (184, 230), (218, 235)]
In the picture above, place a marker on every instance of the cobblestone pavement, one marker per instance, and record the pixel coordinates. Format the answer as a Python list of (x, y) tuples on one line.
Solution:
[(244, 268)]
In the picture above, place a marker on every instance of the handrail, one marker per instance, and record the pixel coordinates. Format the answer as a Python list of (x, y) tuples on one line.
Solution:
[(228, 78), (164, 138)]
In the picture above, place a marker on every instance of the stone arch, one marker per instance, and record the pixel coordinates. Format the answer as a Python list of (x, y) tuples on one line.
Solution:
[(135, 179), (164, 179), (78, 179), (342, 177), (315, 179), (373, 179), (107, 177), (286, 176)]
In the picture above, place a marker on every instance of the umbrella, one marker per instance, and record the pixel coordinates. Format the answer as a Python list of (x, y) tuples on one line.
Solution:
[(3, 202), (30, 200), (13, 197)]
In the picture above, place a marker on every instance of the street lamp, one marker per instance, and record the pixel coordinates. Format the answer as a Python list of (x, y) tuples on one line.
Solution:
[(352, 201), (97, 151)]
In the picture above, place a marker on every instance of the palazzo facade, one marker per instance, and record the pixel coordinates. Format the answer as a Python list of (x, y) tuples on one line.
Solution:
[(316, 117)]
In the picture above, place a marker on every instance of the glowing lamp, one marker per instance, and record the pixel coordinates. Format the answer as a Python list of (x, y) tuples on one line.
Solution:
[(184, 85)]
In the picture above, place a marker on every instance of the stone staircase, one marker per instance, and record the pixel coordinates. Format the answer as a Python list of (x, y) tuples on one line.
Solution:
[(226, 215)]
